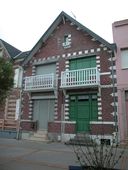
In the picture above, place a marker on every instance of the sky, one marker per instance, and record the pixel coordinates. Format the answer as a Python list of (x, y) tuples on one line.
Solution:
[(23, 22)]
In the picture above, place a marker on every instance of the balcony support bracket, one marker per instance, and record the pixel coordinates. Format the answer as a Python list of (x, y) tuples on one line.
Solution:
[(64, 92)]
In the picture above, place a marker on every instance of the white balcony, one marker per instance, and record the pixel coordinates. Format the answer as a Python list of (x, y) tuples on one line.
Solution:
[(40, 82), (88, 77)]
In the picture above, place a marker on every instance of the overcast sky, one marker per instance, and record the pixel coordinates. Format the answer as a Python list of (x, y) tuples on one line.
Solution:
[(23, 22)]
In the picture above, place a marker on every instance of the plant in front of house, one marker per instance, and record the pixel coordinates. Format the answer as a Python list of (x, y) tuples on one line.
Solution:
[(6, 78), (95, 156)]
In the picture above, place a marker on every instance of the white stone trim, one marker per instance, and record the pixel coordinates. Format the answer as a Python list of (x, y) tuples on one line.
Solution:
[(112, 67), (66, 100), (69, 54), (55, 113), (26, 120), (116, 94), (98, 49), (71, 122), (106, 86), (99, 118), (98, 65), (66, 113), (74, 53), (86, 51), (102, 122), (92, 50), (97, 57), (105, 48), (66, 109), (97, 61), (114, 76), (99, 103), (80, 52), (55, 117), (63, 55), (99, 108), (30, 109), (116, 103), (58, 56), (113, 113), (67, 62), (105, 73), (53, 57), (99, 113)]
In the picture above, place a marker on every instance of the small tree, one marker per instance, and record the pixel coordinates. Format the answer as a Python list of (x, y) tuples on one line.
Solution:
[(96, 156), (6, 78)]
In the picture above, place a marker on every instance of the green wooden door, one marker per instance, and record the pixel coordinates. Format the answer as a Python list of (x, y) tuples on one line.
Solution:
[(83, 109)]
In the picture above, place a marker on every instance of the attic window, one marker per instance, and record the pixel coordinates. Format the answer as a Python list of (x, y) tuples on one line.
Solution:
[(67, 41)]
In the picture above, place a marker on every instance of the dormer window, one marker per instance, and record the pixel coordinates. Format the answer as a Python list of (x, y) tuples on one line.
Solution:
[(67, 41)]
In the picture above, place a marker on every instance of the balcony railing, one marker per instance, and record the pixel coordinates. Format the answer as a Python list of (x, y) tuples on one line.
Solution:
[(80, 78), (40, 82)]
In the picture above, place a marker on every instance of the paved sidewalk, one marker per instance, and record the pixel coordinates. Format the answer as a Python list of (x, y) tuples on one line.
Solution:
[(31, 155)]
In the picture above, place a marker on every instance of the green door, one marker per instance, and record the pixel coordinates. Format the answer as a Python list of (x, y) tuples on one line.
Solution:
[(83, 109)]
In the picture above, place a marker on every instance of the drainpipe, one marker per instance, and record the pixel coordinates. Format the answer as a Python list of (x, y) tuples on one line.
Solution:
[(114, 99), (20, 109)]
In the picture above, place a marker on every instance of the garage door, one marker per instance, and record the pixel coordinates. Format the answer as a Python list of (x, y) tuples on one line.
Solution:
[(43, 112), (83, 109)]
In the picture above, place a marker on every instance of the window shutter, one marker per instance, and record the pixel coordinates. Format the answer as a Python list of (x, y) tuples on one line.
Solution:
[(16, 77), (20, 77), (17, 109)]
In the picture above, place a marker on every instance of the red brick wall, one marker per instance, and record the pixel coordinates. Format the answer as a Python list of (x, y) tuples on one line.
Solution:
[(80, 42), (107, 108), (54, 127), (100, 129)]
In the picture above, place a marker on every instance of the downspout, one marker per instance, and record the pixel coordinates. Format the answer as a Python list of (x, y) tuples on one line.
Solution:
[(114, 100)]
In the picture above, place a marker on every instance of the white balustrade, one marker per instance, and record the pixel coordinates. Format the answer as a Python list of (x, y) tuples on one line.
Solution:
[(40, 82), (81, 77)]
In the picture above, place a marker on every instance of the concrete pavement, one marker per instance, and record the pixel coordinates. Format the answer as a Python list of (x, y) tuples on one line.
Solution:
[(31, 155), (25, 155)]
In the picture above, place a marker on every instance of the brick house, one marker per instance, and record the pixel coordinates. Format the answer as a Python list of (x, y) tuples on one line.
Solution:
[(9, 111), (68, 85), (120, 30)]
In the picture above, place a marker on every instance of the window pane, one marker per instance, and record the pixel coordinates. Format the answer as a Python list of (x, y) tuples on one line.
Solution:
[(124, 58)]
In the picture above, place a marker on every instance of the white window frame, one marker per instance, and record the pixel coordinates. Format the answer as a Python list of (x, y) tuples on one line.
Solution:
[(67, 41), (124, 58)]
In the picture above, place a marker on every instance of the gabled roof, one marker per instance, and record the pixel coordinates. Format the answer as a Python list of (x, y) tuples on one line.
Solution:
[(21, 55), (53, 26), (11, 50)]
